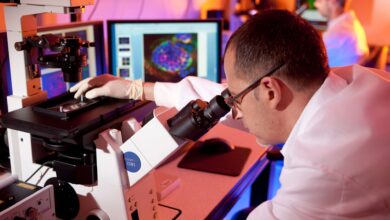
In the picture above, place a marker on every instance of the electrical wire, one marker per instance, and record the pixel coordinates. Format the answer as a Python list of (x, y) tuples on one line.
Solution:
[(185, 14), (141, 9), (301, 9), (39, 168), (42, 175), (176, 209), (93, 10)]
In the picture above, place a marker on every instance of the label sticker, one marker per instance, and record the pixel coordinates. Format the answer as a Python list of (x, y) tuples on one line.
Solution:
[(132, 162)]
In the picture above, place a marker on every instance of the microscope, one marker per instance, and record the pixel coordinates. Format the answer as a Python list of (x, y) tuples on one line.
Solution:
[(86, 158), (125, 156)]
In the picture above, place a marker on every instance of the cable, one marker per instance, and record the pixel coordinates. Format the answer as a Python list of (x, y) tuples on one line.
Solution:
[(42, 175), (93, 10), (141, 9), (302, 9), (185, 14), (39, 168), (176, 209)]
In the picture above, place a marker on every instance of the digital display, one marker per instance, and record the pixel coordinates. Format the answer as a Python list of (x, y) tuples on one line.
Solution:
[(170, 57), (164, 50)]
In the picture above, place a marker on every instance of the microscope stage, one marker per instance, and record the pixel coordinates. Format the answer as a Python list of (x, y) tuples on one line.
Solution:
[(65, 108), (50, 120)]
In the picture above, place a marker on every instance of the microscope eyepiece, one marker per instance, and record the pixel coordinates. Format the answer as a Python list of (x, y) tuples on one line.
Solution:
[(197, 117), (216, 109)]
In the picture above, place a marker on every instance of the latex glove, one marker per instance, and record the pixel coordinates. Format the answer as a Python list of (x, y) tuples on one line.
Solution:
[(108, 85)]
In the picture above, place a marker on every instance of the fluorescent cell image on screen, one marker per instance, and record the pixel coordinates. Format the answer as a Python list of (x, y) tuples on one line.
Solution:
[(53, 83), (165, 50), (170, 57)]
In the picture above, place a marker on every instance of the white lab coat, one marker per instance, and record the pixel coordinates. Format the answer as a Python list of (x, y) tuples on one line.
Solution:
[(190, 88), (337, 157), (345, 40)]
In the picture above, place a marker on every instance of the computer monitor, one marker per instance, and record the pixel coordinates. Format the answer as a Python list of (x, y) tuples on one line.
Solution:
[(164, 50), (312, 15), (52, 79)]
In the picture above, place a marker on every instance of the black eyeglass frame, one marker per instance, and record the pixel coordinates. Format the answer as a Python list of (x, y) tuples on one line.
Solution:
[(234, 99)]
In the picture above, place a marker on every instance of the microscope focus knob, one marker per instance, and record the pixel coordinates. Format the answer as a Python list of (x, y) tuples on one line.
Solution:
[(19, 46), (66, 200), (32, 213)]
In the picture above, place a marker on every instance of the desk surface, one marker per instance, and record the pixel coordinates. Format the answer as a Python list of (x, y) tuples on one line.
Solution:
[(204, 195)]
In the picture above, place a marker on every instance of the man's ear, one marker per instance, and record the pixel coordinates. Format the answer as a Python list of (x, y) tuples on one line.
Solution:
[(270, 92)]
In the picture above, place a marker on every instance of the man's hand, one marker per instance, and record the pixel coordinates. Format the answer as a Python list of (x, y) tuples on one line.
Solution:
[(108, 85)]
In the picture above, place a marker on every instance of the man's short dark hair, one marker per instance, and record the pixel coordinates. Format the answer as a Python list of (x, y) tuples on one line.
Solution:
[(275, 36)]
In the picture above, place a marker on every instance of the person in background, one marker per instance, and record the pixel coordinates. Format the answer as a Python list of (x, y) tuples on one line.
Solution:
[(332, 121), (345, 39)]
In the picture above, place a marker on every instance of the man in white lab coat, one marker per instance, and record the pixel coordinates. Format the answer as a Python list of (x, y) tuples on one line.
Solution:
[(345, 39), (335, 124)]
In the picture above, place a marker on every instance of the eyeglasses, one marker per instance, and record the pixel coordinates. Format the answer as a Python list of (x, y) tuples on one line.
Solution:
[(235, 101)]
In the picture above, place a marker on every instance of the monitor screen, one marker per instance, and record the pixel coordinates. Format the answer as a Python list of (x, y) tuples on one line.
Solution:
[(311, 14), (165, 50), (52, 79)]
